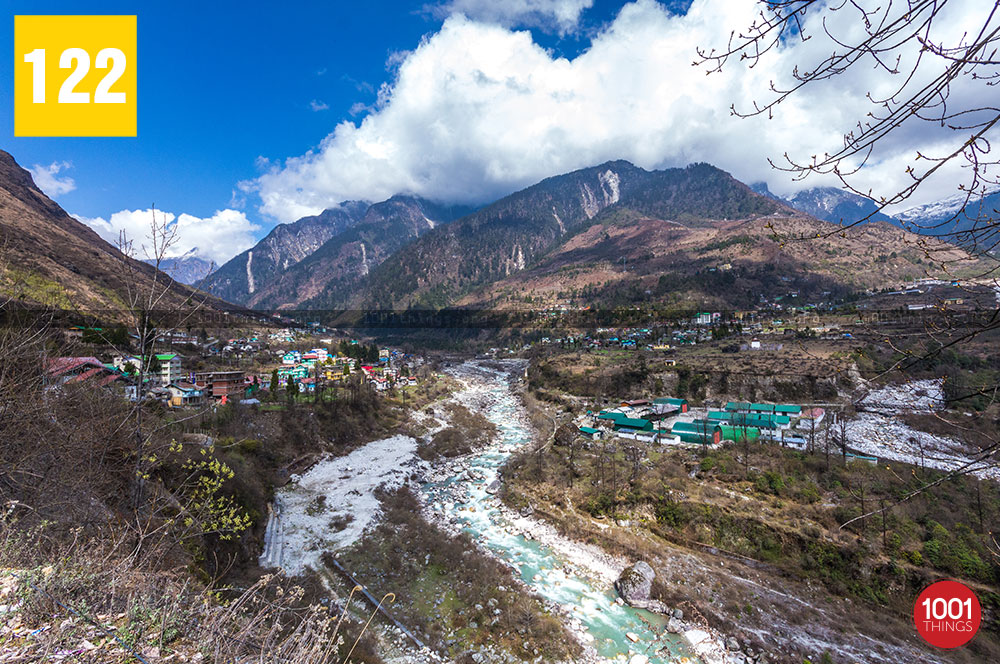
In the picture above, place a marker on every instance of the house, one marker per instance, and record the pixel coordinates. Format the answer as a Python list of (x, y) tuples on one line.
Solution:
[(744, 420), (811, 418), (763, 408), (635, 403), (669, 405), (220, 386), (292, 357), (62, 370), (609, 418), (184, 394), (632, 424), (701, 432), (739, 433), (590, 432)]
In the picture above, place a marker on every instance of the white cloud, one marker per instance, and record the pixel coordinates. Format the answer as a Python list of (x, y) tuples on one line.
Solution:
[(563, 15), (217, 238), (317, 105), (477, 111), (47, 178)]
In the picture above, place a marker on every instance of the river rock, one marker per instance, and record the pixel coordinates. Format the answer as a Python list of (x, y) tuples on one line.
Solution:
[(677, 613), (635, 583), (675, 626)]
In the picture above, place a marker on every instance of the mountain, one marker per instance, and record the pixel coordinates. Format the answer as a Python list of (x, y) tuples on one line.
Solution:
[(188, 269), (629, 258), (515, 232), (287, 244), (957, 218), (331, 274), (830, 204), (49, 258)]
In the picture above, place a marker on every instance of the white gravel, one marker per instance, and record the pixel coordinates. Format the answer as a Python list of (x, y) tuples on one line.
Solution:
[(300, 530)]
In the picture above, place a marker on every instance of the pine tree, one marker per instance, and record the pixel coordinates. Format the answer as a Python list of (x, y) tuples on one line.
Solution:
[(275, 383)]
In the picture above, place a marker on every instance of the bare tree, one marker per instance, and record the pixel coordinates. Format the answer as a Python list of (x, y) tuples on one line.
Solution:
[(932, 74)]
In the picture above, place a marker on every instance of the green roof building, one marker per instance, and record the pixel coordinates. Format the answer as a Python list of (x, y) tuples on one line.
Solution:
[(764, 408), (633, 424), (701, 432)]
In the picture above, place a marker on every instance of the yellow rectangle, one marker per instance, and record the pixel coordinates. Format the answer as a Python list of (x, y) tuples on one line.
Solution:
[(79, 78)]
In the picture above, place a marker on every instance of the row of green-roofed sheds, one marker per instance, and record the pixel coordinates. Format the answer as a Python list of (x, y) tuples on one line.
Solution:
[(790, 410), (761, 421)]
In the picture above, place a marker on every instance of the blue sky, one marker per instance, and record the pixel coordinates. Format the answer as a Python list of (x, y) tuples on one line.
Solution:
[(252, 114), (221, 83)]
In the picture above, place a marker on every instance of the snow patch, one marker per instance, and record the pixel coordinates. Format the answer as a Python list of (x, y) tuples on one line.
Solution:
[(250, 284)]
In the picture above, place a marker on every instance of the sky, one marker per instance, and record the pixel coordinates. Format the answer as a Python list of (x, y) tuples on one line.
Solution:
[(253, 114)]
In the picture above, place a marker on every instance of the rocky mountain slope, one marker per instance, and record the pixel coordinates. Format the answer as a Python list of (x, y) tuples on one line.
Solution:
[(514, 233), (331, 274), (629, 257), (287, 244), (49, 258)]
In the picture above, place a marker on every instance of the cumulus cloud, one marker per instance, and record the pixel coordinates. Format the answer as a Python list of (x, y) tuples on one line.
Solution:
[(217, 238), (47, 178), (478, 110), (562, 15)]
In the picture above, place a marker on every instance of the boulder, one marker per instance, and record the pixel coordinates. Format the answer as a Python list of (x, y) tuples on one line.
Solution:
[(675, 626), (635, 583)]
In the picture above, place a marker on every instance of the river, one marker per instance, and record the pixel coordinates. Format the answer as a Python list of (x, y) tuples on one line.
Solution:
[(575, 579), (459, 495)]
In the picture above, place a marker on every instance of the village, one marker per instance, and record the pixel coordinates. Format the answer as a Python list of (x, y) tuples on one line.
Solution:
[(294, 362)]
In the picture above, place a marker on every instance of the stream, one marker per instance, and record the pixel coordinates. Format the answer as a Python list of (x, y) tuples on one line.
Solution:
[(459, 495)]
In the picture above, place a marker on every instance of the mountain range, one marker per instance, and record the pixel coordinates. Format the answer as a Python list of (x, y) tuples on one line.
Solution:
[(610, 233), (613, 233)]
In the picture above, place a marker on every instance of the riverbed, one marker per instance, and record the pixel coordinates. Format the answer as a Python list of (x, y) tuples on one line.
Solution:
[(575, 578)]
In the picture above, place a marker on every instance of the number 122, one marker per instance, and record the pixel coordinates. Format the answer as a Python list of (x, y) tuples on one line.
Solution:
[(66, 93)]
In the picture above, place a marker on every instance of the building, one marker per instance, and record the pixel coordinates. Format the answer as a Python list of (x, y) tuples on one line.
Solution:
[(184, 394), (763, 408), (758, 420), (701, 432), (220, 386), (61, 370), (632, 424), (669, 405), (169, 368), (590, 432), (165, 370)]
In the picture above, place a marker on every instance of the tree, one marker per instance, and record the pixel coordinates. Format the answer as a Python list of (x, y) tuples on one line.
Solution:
[(275, 384), (291, 389), (931, 65), (926, 72)]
